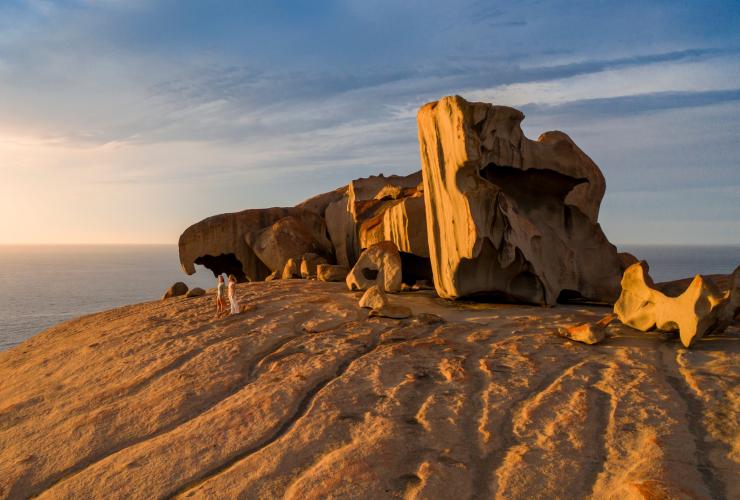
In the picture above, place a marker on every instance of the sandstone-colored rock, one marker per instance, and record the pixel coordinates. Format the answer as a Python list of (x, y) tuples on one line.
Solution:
[(358, 219), (509, 216), (195, 292), (309, 262), (694, 313), (588, 333), (331, 272), (291, 270), (286, 238), (373, 298), (147, 401), (391, 311), (176, 290), (219, 244), (380, 264), (275, 275)]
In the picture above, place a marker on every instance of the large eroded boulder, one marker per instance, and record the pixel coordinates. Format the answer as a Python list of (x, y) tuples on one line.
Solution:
[(700, 309), (219, 243), (287, 238), (508, 216)]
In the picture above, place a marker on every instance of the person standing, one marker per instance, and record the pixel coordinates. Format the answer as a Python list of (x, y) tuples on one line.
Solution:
[(220, 295), (232, 295)]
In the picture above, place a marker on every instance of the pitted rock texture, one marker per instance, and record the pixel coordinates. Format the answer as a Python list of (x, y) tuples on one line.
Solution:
[(508, 216), (304, 396)]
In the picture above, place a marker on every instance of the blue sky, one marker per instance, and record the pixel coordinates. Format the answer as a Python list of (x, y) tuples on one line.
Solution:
[(124, 121)]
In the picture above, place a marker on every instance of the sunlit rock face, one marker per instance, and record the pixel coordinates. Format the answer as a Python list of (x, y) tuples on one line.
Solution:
[(507, 216), (699, 309)]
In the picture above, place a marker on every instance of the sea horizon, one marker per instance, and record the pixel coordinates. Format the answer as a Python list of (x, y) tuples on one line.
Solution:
[(43, 288)]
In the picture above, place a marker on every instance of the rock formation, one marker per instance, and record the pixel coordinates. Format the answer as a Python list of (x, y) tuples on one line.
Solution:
[(373, 298), (176, 290), (508, 216), (700, 309), (378, 265), (220, 242), (195, 292), (309, 263), (587, 333), (329, 272)]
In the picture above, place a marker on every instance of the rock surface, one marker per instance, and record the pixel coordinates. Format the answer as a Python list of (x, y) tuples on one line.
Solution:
[(380, 264), (219, 242), (287, 238), (309, 263), (304, 396), (373, 298), (329, 272), (693, 313), (509, 216), (195, 292), (176, 290), (588, 333)]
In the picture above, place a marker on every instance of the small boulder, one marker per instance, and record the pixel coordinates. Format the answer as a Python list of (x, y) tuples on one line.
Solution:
[(393, 312), (309, 262), (379, 264), (587, 333), (373, 298), (195, 292), (176, 290), (291, 270), (273, 276), (330, 272)]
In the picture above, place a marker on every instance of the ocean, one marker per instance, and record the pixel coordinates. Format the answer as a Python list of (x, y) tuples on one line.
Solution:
[(44, 285)]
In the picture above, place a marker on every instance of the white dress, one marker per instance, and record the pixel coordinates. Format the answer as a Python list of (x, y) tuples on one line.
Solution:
[(232, 298)]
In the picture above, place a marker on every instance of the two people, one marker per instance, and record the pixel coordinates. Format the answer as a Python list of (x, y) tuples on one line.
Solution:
[(222, 291)]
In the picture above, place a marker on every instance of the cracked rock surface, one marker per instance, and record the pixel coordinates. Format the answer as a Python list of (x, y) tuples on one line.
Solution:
[(304, 396)]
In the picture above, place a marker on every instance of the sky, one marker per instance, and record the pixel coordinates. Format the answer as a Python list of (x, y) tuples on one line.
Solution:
[(125, 121)]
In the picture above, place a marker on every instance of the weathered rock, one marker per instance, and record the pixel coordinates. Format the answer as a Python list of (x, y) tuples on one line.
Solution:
[(219, 244), (195, 292), (588, 333), (286, 238), (380, 264), (274, 275), (509, 216), (330, 272), (389, 311), (176, 290), (373, 298), (309, 262), (359, 219), (292, 269), (694, 313)]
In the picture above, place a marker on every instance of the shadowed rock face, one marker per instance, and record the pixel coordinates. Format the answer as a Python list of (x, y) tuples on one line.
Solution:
[(219, 244), (509, 217)]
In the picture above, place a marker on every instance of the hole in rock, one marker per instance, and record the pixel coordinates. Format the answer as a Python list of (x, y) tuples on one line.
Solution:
[(530, 188), (415, 268), (225, 263), (565, 296), (370, 274)]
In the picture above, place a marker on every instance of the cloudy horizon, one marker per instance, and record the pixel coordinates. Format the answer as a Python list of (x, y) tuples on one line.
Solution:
[(127, 121)]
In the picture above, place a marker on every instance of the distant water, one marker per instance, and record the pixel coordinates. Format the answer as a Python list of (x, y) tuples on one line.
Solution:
[(43, 285)]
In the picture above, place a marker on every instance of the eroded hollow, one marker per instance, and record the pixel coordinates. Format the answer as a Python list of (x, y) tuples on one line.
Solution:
[(531, 187), (226, 263), (415, 268), (370, 274)]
